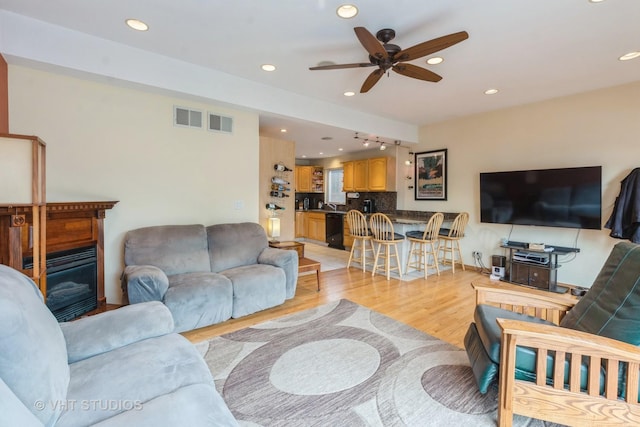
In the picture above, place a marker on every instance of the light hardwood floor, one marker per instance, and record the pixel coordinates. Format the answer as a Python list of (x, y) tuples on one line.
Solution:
[(441, 306)]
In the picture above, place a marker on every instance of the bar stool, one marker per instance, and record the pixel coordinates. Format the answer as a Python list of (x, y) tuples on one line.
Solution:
[(423, 244), (386, 239), (450, 239), (362, 237)]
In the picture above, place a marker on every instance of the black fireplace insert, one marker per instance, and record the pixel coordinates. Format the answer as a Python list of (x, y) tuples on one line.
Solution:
[(72, 278)]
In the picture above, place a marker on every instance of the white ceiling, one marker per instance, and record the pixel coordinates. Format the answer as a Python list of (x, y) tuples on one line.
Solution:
[(530, 50)]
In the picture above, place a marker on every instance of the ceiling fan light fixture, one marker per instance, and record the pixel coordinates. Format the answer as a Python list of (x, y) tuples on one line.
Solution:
[(136, 24), (347, 11), (435, 60), (628, 56), (268, 67)]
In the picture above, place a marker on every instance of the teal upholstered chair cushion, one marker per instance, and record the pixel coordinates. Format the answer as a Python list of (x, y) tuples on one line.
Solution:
[(611, 308), (33, 352)]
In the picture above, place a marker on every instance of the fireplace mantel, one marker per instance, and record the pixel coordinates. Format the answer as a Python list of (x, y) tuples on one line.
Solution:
[(69, 225)]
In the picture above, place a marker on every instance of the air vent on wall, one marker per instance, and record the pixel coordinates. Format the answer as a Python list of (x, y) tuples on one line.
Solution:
[(187, 117), (220, 123)]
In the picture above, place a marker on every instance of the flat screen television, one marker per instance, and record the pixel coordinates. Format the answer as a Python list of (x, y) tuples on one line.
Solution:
[(567, 197)]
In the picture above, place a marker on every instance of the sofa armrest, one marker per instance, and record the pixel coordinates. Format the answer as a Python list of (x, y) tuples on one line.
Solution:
[(534, 302), (563, 403), (107, 331), (13, 411), (285, 259), (144, 283)]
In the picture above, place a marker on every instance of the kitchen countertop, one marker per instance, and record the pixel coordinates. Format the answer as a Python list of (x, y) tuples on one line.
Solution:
[(403, 218)]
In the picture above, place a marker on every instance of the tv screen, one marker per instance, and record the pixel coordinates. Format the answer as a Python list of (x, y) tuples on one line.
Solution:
[(568, 197)]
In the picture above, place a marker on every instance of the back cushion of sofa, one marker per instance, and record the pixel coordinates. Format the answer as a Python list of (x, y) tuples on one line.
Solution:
[(175, 249), (33, 352), (234, 245), (610, 307)]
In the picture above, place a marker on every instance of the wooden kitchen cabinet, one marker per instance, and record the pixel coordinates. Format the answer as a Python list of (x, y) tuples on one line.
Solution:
[(303, 179), (316, 226), (347, 177), (360, 178), (366, 175), (347, 239), (309, 179), (301, 224), (377, 174)]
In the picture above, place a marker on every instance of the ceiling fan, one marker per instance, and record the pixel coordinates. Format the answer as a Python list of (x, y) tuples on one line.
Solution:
[(390, 56)]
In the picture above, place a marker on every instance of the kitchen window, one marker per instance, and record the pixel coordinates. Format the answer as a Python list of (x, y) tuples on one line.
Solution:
[(334, 193)]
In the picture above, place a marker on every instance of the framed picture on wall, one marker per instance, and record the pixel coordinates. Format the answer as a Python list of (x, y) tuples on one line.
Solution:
[(431, 175)]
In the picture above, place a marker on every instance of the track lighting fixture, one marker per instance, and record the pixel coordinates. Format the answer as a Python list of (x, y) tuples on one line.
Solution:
[(367, 141)]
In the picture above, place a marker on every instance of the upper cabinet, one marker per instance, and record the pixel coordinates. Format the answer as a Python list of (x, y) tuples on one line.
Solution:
[(369, 175), (360, 178), (309, 179)]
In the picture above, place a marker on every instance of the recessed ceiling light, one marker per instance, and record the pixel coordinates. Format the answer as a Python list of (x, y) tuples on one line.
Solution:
[(349, 93), (321, 153), (435, 60), (347, 11), (283, 130), (628, 56), (595, 1), (339, 149), (326, 138), (137, 24), (268, 67), (491, 91)]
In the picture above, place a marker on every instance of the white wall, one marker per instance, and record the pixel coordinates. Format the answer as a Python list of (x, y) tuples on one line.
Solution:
[(106, 142), (590, 129)]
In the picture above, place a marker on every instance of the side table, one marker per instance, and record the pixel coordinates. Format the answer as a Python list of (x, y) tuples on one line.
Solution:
[(304, 264)]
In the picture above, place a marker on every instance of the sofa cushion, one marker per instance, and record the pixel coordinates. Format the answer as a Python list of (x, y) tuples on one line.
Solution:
[(198, 299), (256, 287), (197, 405), (234, 245), (610, 306), (33, 353), (175, 249), (123, 379), (490, 333)]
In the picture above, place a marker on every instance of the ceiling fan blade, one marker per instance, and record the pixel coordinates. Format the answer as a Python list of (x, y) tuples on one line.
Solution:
[(340, 66), (371, 80), (370, 43), (416, 72), (431, 46)]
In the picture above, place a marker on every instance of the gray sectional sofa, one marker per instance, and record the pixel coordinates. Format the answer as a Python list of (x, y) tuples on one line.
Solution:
[(206, 275), (120, 368)]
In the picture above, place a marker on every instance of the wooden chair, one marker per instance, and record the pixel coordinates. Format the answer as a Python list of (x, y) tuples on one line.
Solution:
[(425, 244), (386, 240), (362, 239), (450, 241), (520, 334)]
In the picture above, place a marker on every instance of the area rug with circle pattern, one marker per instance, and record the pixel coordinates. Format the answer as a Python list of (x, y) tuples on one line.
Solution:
[(342, 364)]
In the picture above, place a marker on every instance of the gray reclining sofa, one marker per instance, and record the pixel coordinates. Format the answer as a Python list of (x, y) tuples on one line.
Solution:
[(124, 367), (206, 275)]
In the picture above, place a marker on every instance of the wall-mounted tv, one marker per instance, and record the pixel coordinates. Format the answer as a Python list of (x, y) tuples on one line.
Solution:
[(567, 197)]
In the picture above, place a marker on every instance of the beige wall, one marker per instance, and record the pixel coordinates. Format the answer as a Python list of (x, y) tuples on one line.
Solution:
[(274, 151), (106, 142), (590, 129)]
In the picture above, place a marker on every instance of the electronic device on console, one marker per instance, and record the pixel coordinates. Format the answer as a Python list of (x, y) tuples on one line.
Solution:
[(535, 258)]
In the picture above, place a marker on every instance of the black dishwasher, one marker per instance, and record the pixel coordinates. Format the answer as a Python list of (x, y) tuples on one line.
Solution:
[(334, 230)]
